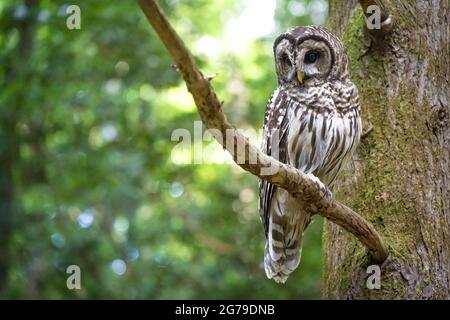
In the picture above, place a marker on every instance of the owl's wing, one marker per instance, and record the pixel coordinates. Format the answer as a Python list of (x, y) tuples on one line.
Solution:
[(275, 122)]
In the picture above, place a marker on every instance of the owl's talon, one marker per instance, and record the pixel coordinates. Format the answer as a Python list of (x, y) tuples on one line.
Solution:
[(328, 194), (325, 191)]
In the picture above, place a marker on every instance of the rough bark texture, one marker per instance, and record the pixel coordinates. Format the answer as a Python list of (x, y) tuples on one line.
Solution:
[(400, 180)]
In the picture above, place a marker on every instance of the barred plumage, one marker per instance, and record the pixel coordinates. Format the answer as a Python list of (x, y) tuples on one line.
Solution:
[(317, 119)]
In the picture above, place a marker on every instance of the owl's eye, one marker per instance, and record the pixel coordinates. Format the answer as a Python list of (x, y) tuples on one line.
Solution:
[(285, 59), (311, 56)]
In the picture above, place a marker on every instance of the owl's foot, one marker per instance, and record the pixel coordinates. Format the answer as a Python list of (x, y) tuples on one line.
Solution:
[(328, 194), (324, 190)]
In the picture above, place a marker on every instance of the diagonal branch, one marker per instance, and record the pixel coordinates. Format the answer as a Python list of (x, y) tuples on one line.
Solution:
[(249, 157)]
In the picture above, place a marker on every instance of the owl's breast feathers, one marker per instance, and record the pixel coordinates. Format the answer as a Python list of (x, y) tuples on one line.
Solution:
[(324, 128)]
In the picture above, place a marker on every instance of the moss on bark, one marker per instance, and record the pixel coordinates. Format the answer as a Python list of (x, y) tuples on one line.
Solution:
[(396, 181)]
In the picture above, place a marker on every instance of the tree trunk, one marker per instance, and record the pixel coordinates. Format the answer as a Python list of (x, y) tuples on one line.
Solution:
[(400, 179)]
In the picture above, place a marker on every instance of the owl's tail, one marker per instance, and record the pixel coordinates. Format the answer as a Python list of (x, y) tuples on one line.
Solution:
[(284, 244)]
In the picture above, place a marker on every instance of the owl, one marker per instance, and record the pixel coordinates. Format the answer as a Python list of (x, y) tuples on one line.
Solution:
[(313, 123)]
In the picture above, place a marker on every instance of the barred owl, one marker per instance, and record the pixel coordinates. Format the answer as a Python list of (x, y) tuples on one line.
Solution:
[(316, 115)]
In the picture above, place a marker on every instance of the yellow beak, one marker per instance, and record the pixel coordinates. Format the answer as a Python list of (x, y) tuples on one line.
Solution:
[(300, 76)]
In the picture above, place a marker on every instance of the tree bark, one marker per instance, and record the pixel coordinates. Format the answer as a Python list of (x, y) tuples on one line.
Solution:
[(400, 181)]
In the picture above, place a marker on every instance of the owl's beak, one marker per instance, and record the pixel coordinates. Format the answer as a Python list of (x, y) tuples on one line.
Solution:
[(300, 76)]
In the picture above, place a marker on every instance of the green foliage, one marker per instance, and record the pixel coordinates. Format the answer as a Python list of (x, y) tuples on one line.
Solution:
[(86, 118)]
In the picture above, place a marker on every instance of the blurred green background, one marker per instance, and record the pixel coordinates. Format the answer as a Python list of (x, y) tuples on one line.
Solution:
[(89, 174)]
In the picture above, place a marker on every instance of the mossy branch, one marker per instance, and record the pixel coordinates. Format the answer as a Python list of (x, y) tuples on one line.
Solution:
[(249, 157)]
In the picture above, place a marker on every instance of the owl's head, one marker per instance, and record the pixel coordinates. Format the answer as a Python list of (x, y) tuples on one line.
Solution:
[(308, 56)]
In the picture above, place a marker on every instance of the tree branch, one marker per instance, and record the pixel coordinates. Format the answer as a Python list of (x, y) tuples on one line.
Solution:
[(387, 20), (249, 157)]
